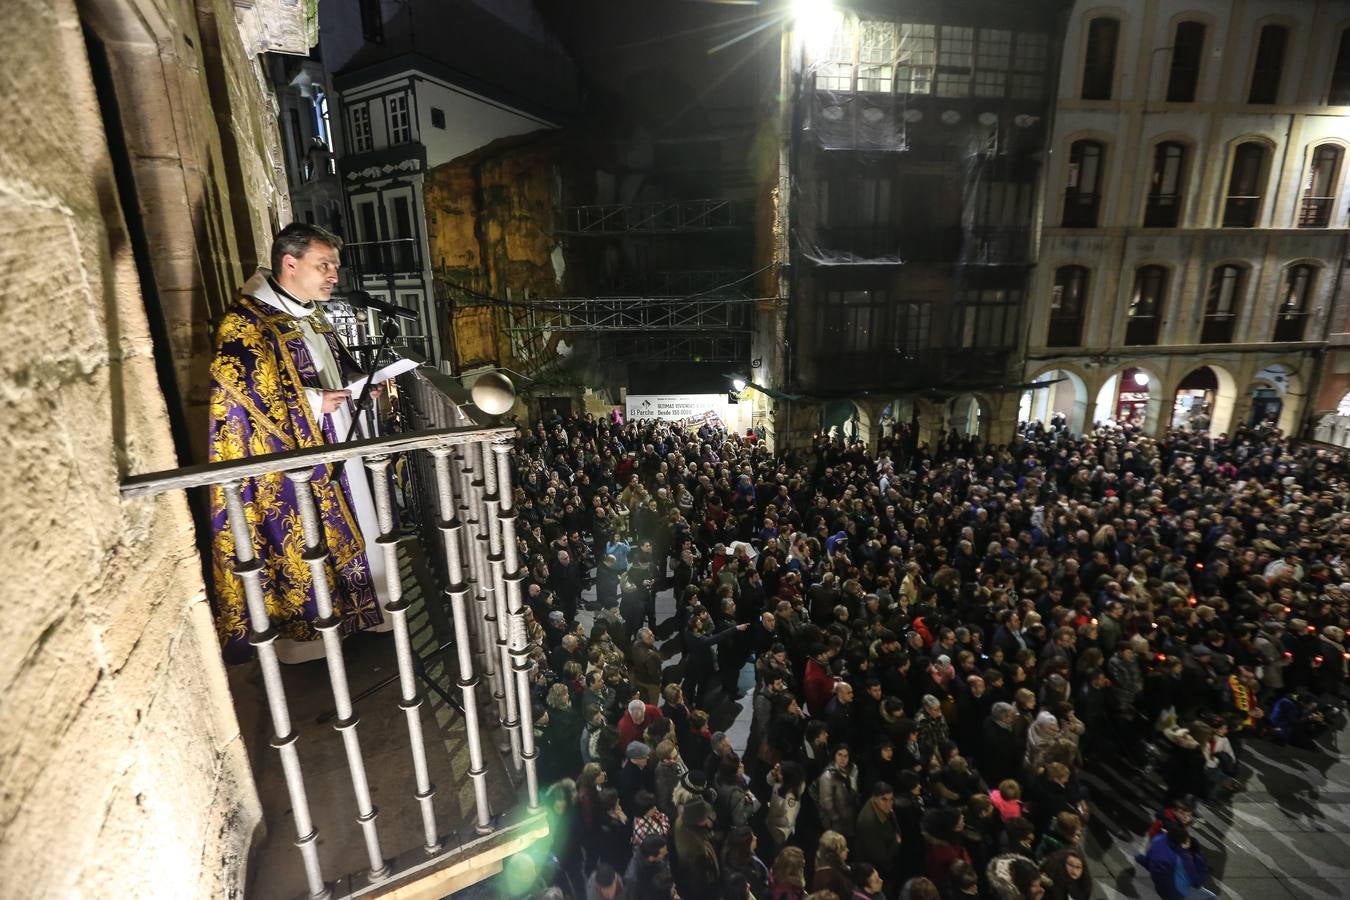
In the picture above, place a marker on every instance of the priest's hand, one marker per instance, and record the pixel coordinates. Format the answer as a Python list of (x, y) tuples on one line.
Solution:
[(333, 400)]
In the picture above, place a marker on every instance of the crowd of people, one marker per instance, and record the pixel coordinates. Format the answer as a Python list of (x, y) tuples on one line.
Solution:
[(943, 640)]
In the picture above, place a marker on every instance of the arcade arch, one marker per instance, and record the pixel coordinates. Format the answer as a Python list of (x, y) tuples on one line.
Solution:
[(1132, 395), (1056, 392), (1204, 400)]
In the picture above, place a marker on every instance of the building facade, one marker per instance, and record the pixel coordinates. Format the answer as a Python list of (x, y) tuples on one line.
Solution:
[(911, 151), (407, 103), (1194, 226)]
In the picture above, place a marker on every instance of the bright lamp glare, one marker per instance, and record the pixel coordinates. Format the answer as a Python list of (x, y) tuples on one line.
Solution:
[(816, 21), (738, 383), (1141, 379)]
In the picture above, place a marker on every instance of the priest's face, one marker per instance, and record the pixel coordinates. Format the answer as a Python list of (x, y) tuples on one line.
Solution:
[(313, 275)]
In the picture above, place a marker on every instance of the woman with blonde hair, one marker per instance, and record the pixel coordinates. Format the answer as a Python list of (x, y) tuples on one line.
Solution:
[(787, 881), (832, 865)]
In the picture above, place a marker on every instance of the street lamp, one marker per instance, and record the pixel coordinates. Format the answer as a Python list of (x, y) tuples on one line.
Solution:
[(738, 383)]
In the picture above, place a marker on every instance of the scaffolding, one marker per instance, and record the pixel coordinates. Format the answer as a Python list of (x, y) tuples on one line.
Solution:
[(661, 217), (646, 314)]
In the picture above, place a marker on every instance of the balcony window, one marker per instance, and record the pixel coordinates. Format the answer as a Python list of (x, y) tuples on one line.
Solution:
[(876, 56), (1269, 67), (987, 318), (400, 124), (1293, 313), (1222, 304), (1099, 65), (1082, 197), (1068, 299), (913, 325), (835, 71), (1246, 183), (956, 53), (1319, 190), (992, 55), (1184, 75), (1029, 62), (1339, 95), (362, 141), (1163, 209), (372, 21), (1146, 304), (854, 321), (918, 59)]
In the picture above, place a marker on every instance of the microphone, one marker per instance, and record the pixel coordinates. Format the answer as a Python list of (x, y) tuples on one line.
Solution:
[(364, 300)]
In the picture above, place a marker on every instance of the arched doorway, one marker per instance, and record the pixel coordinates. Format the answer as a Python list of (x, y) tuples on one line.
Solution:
[(846, 418), (1130, 397), (898, 413), (1057, 393), (1276, 398), (1204, 401), (967, 415)]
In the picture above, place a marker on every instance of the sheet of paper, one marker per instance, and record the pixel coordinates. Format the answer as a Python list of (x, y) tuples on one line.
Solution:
[(392, 370)]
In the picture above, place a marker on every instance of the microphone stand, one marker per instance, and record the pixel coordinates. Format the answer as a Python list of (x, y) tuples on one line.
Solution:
[(388, 332), (365, 403)]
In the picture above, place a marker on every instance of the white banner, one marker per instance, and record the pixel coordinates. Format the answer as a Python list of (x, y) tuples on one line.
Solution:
[(674, 407)]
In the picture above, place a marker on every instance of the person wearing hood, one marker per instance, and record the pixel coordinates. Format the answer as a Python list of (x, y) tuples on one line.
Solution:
[(278, 383), (1178, 868)]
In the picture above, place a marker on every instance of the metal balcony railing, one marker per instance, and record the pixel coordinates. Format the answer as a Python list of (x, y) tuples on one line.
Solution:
[(1218, 329), (1290, 326), (454, 480), (1162, 211), (1315, 212), (1240, 211), (1141, 331), (1080, 209), (661, 217), (398, 256), (1066, 331)]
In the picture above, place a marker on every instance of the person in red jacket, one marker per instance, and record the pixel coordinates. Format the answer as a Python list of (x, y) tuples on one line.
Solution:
[(942, 830), (818, 683), (635, 721)]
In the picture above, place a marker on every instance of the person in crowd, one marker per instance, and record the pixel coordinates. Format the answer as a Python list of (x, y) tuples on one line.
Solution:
[(787, 881), (831, 868), (1067, 870), (1178, 869), (926, 621), (739, 861), (877, 837), (837, 793)]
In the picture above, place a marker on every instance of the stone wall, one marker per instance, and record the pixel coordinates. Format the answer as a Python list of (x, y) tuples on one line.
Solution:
[(490, 225), (122, 770)]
